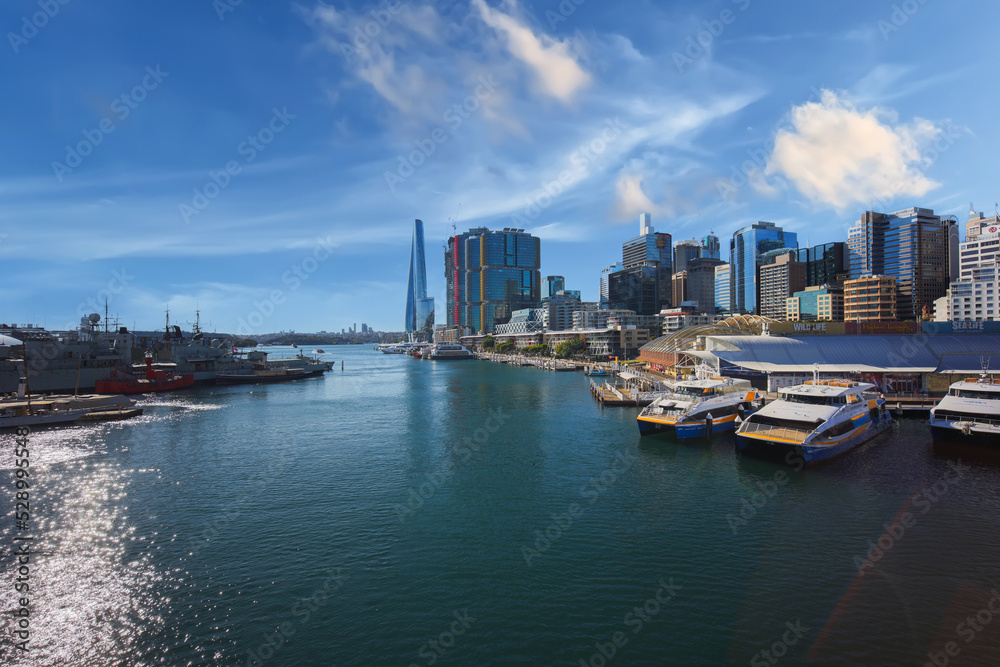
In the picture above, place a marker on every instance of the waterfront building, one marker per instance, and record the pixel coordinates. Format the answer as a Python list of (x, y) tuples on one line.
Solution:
[(976, 298), (419, 308), (650, 323), (710, 247), (942, 308), (597, 319), (675, 319), (914, 246), (980, 249), (870, 299), (489, 275), (745, 250), (679, 287), (826, 264), (623, 342), (606, 272), (816, 303), (684, 252), (780, 277), (554, 285), (701, 283), (722, 288)]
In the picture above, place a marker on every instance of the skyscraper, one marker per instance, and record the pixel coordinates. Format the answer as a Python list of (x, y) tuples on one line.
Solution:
[(489, 275), (826, 264), (419, 308), (914, 246), (745, 250), (648, 260), (722, 295), (710, 247), (684, 252)]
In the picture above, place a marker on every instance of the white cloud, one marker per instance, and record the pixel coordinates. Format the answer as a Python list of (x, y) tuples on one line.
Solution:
[(839, 155), (630, 199), (559, 75)]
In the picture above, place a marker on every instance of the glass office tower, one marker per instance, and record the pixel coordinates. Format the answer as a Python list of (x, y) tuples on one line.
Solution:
[(419, 308), (745, 250)]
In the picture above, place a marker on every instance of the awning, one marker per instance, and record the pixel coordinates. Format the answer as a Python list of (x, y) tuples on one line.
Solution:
[(629, 375)]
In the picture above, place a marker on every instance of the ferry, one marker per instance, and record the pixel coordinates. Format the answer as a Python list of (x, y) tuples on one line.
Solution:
[(693, 408), (971, 409), (814, 421), (450, 352)]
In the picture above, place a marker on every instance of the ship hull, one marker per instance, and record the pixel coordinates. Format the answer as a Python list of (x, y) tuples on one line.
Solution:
[(801, 452), (144, 386), (687, 430)]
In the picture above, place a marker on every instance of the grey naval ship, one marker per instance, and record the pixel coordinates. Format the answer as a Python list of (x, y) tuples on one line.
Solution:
[(73, 361)]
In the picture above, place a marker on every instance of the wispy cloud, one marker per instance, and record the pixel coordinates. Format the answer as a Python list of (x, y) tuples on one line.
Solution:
[(557, 72)]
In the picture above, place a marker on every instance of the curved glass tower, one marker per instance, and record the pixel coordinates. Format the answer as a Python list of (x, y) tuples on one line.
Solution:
[(419, 308)]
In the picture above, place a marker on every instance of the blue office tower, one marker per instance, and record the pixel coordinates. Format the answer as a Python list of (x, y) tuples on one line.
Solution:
[(419, 308), (745, 251)]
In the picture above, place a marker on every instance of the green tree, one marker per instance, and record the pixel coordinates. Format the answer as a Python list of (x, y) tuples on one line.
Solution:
[(570, 347), (505, 347), (489, 343)]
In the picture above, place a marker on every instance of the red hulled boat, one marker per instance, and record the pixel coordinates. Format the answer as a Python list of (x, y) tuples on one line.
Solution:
[(124, 381)]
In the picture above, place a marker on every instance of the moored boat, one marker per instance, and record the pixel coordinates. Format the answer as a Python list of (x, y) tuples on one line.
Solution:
[(450, 352), (694, 408), (126, 381), (815, 421), (970, 411)]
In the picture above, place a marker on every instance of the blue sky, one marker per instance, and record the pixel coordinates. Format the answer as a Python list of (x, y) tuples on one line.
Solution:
[(264, 161)]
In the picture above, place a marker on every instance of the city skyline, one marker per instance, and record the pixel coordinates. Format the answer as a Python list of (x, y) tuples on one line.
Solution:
[(160, 177)]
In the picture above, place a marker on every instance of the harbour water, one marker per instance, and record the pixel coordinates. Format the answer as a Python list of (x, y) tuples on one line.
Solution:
[(416, 513)]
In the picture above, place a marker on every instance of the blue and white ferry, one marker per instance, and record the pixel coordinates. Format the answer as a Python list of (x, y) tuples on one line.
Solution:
[(815, 421), (693, 408)]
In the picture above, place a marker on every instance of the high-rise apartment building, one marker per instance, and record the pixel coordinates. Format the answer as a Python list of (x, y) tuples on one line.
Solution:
[(419, 308), (678, 287), (722, 289), (870, 299), (980, 224), (745, 252), (980, 249), (914, 246), (781, 277), (489, 275), (976, 298)]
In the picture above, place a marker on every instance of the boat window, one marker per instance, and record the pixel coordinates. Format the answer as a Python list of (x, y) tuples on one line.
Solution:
[(841, 428), (689, 391), (807, 399), (983, 395), (782, 423)]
